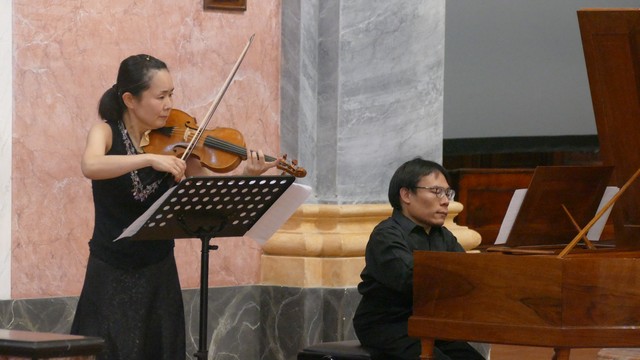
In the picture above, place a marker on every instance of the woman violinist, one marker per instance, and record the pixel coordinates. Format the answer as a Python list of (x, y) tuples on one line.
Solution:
[(131, 295)]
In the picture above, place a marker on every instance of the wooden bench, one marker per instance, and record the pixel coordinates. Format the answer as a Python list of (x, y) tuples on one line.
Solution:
[(337, 350), (41, 345), (353, 350)]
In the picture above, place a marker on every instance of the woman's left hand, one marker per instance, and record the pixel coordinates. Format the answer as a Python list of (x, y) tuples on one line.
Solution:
[(256, 163)]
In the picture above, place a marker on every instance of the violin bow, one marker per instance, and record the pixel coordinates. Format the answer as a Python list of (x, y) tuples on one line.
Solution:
[(214, 106)]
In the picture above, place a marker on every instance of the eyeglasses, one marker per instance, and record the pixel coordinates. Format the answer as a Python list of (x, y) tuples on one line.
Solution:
[(440, 191)]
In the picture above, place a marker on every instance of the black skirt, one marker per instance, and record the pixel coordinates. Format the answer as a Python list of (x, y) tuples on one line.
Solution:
[(138, 312)]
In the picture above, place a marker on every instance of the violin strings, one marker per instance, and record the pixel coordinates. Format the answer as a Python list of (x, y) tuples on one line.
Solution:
[(229, 147), (221, 144), (214, 142), (226, 146)]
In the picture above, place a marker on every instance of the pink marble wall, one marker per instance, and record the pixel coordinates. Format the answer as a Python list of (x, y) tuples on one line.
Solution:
[(65, 55)]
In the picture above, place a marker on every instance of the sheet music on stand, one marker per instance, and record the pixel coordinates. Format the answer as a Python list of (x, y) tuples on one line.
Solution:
[(236, 205), (225, 206)]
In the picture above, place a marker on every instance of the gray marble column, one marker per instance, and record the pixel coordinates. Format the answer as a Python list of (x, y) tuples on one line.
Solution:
[(361, 90)]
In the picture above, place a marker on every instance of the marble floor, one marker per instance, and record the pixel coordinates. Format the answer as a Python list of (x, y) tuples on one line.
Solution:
[(507, 352)]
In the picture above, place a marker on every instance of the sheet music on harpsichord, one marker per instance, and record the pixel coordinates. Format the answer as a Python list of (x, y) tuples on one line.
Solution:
[(559, 202), (516, 201)]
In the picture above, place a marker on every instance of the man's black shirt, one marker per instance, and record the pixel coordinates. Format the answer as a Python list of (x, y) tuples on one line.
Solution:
[(387, 279)]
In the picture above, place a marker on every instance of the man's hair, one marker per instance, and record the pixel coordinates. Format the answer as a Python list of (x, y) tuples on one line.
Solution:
[(409, 174)]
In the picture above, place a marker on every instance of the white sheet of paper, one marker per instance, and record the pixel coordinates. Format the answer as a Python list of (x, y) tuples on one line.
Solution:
[(510, 216), (597, 228), (516, 201), (279, 213)]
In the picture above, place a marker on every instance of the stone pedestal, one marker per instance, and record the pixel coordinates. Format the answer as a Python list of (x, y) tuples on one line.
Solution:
[(468, 238), (323, 245)]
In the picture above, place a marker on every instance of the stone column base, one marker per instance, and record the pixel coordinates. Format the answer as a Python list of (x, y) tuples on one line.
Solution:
[(323, 245), (305, 271)]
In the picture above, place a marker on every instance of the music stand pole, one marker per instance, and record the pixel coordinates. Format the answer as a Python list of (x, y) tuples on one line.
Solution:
[(208, 207), (205, 234), (202, 352)]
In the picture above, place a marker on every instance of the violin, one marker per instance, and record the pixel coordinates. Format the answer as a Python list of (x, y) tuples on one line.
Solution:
[(220, 150)]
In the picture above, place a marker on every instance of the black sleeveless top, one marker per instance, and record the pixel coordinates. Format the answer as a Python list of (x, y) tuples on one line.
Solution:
[(120, 201)]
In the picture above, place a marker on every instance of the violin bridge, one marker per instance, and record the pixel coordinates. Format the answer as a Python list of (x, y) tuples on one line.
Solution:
[(188, 134)]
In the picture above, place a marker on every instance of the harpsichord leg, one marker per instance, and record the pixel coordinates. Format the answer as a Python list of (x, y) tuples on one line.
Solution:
[(427, 349), (561, 353)]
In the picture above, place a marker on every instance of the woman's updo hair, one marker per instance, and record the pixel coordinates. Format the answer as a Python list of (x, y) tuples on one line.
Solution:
[(134, 76)]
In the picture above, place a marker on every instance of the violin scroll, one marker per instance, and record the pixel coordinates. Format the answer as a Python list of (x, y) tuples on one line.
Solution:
[(291, 168)]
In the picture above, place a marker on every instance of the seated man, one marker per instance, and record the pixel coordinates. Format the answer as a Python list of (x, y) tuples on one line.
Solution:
[(419, 193)]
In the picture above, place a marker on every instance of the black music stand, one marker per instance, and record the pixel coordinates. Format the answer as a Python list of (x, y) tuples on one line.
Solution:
[(204, 208)]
